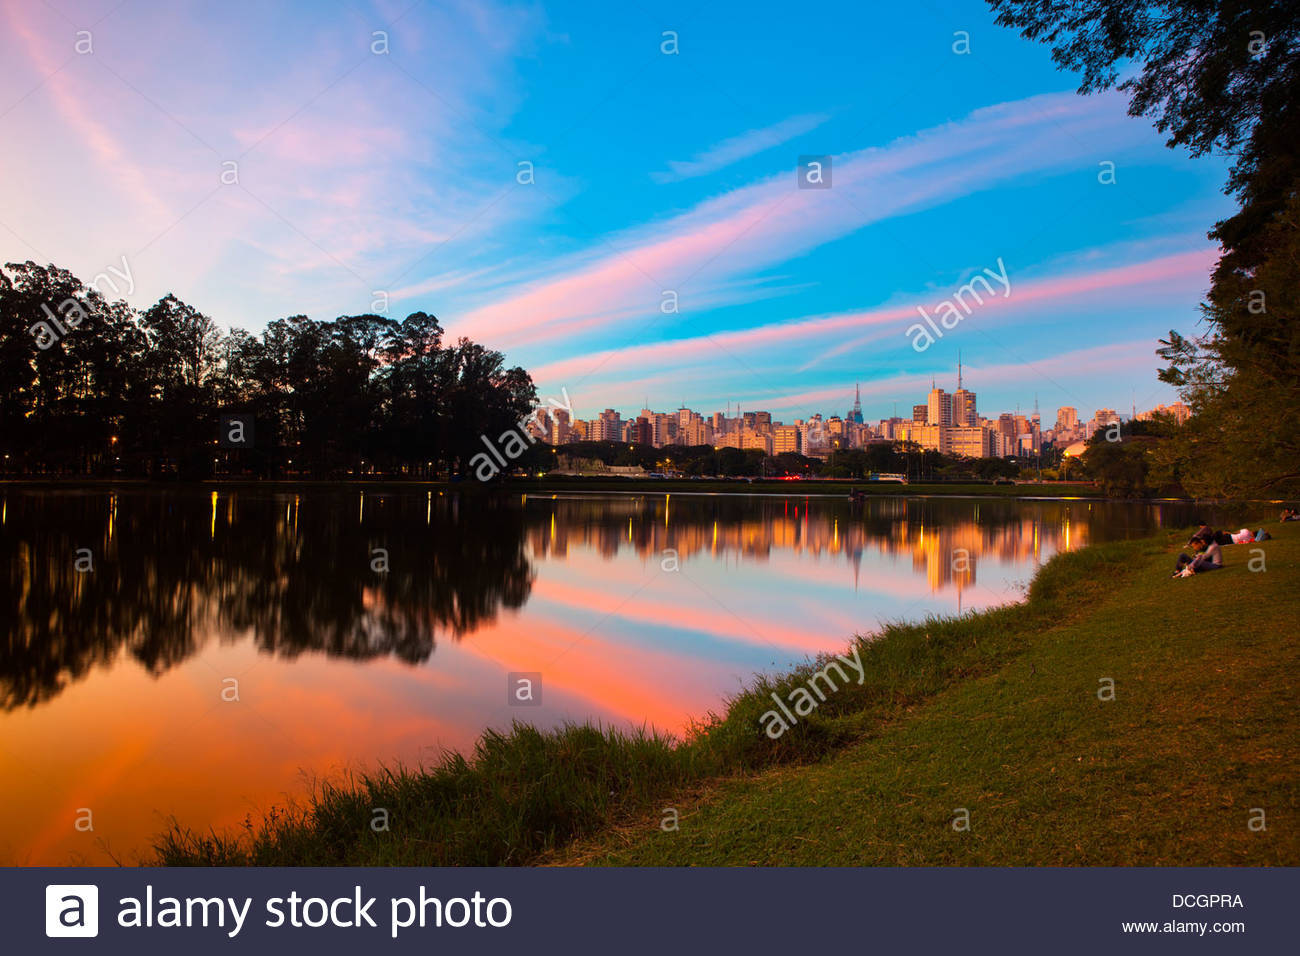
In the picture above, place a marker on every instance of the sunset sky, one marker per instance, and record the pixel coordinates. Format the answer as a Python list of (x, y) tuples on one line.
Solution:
[(363, 172)]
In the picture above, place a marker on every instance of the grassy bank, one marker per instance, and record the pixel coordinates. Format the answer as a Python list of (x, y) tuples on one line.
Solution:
[(996, 712)]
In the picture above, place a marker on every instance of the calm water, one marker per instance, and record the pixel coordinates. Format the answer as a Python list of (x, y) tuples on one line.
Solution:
[(112, 679)]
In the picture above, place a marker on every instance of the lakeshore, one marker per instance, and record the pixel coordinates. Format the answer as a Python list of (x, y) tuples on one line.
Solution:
[(1115, 717), (834, 488)]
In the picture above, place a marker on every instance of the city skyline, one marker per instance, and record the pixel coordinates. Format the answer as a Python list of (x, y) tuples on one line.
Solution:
[(948, 422), (640, 234)]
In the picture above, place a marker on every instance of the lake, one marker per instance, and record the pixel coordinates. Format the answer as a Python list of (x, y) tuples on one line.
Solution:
[(205, 654)]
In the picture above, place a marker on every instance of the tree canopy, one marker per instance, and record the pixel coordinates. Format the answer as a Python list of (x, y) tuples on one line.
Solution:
[(1218, 76), (89, 386)]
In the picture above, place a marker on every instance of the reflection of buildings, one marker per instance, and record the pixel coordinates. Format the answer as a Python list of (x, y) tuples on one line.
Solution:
[(946, 540), (300, 574)]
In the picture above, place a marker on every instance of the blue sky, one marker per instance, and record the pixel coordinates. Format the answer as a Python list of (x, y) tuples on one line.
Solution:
[(369, 175)]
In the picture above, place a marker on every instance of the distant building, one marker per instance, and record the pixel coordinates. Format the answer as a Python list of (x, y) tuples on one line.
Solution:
[(785, 438), (972, 441), (963, 408), (1177, 411), (641, 431), (938, 409)]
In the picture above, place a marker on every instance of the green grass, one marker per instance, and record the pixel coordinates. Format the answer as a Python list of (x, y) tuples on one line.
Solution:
[(1203, 728), (996, 712)]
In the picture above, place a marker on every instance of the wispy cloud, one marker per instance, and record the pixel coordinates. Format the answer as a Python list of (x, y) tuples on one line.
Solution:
[(772, 221), (812, 333), (352, 167), (740, 147)]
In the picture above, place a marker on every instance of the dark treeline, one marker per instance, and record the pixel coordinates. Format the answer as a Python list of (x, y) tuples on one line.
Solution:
[(93, 387), (706, 460)]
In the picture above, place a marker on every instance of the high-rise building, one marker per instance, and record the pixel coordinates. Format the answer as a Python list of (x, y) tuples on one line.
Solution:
[(973, 441), (938, 409), (1178, 411), (1067, 418), (608, 427), (963, 402), (919, 413), (963, 408), (560, 431), (641, 431), (751, 438), (785, 438)]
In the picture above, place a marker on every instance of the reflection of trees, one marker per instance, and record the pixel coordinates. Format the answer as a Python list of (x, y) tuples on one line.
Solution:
[(293, 573), (171, 571)]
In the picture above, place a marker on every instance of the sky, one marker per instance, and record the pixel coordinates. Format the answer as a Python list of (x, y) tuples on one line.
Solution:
[(610, 193)]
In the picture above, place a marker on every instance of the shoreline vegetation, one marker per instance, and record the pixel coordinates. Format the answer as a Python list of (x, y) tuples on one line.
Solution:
[(997, 713), (825, 487)]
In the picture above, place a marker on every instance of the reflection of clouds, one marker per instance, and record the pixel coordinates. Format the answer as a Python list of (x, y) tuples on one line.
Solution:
[(278, 589)]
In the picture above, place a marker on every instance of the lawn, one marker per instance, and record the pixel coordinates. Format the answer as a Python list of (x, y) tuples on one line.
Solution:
[(1117, 716), (1195, 761)]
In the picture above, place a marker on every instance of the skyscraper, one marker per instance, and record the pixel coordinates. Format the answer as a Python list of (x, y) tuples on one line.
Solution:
[(855, 416), (963, 402), (938, 410)]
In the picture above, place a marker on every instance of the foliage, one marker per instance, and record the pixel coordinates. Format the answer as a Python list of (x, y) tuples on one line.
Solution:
[(1216, 77), (139, 393)]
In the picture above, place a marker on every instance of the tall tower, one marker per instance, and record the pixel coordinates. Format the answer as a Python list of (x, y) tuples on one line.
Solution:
[(855, 416), (963, 402)]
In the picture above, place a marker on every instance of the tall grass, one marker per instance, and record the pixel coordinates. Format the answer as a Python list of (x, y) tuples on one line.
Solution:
[(523, 793)]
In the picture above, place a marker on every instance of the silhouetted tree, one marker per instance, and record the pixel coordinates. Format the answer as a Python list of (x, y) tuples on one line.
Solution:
[(89, 386), (1221, 77)]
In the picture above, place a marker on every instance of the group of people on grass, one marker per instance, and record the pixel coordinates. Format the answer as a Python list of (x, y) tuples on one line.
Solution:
[(1207, 546)]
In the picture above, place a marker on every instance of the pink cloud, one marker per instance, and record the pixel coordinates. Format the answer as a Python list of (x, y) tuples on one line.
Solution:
[(1179, 266), (771, 221)]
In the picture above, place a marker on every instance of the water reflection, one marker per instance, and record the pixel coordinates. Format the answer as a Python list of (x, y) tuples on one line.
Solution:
[(156, 575), (381, 626), (361, 575)]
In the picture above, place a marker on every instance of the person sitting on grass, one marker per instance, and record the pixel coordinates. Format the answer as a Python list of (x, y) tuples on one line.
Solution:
[(1209, 536), (1290, 514), (1208, 557)]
